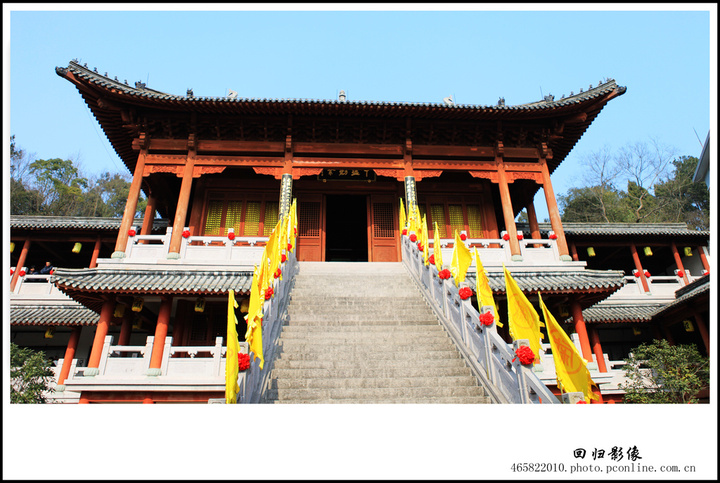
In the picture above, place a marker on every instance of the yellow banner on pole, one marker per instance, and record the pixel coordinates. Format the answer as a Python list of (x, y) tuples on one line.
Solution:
[(570, 367), (231, 355), (482, 287), (461, 260), (523, 318)]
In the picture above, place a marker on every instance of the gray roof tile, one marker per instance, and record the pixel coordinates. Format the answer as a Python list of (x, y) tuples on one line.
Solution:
[(53, 315)]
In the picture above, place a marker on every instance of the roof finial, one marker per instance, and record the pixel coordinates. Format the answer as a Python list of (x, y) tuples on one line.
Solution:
[(190, 92), (501, 101)]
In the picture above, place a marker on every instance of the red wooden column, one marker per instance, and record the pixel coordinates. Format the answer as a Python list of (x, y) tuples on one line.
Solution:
[(573, 250), (126, 328), (507, 207), (638, 267), (703, 258), (703, 331), (161, 330), (69, 355), (553, 210), (148, 218), (678, 262), (597, 349), (96, 253), (183, 201), (131, 205), (20, 264), (100, 333), (532, 220), (581, 330)]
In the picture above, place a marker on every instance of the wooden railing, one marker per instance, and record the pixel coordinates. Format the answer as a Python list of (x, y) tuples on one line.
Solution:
[(490, 357)]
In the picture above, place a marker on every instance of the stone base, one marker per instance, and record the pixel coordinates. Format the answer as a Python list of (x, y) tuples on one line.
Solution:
[(118, 255), (91, 371), (566, 258), (516, 258), (154, 372), (173, 256)]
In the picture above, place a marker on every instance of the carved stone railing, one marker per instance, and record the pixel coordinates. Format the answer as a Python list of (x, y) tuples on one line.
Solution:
[(128, 367), (496, 251), (489, 356), (194, 249), (255, 382)]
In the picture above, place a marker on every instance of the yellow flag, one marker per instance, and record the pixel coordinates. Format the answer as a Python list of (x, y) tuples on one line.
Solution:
[(292, 225), (411, 222), (231, 355), (424, 241), (437, 250), (461, 260), (254, 317), (482, 287), (570, 367), (523, 319), (403, 219)]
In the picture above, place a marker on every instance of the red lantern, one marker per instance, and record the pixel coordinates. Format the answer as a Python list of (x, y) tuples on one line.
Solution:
[(636, 273), (552, 236), (52, 271), (431, 259), (525, 355), (465, 293), (231, 235), (22, 273), (647, 274), (463, 236), (520, 236), (268, 293), (413, 237), (506, 237), (420, 246), (487, 318), (283, 258), (277, 273), (12, 271), (444, 274), (186, 233), (404, 232), (289, 247), (131, 232), (582, 401)]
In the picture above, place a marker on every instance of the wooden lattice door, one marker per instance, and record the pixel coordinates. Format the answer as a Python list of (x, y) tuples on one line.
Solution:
[(383, 233), (310, 239)]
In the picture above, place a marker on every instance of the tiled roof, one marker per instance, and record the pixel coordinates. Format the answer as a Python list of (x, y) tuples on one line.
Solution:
[(58, 314), (609, 313), (686, 294), (143, 92), (615, 229), (555, 281), (75, 222), (152, 281)]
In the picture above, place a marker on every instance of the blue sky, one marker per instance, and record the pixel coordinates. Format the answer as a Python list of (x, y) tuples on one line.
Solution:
[(666, 59), (662, 57)]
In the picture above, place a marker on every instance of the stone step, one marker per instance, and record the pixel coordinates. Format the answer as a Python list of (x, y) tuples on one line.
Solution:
[(388, 330), (388, 371), (321, 300), (366, 364), (359, 338), (316, 268), (371, 383), (364, 346), (373, 393), (427, 400), (358, 321), (360, 356), (387, 314)]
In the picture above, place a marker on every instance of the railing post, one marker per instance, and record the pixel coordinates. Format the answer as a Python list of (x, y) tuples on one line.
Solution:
[(217, 356), (487, 342), (105, 354), (147, 352), (166, 356), (572, 397), (130, 242), (522, 385)]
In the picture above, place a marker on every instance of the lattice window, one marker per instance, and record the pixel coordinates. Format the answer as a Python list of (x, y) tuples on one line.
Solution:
[(214, 218), (474, 222), (457, 221), (271, 216), (252, 218), (233, 216), (309, 218), (437, 213), (383, 220)]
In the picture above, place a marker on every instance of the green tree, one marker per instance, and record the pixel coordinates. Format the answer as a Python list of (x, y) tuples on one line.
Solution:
[(30, 375), (659, 373), (683, 200)]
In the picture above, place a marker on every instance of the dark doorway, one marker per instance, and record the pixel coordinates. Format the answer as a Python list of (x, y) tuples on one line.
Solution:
[(346, 228)]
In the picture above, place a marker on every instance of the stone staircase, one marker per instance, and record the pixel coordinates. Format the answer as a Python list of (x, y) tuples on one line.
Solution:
[(362, 333)]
